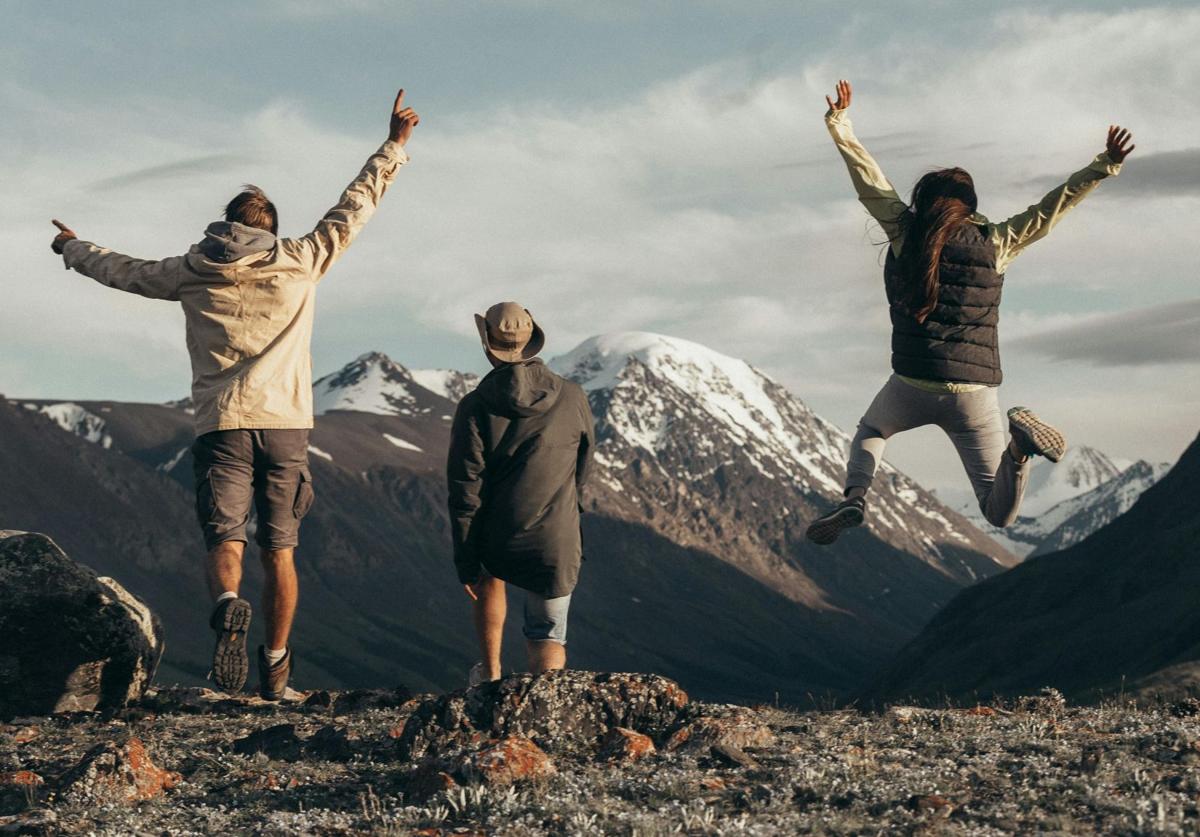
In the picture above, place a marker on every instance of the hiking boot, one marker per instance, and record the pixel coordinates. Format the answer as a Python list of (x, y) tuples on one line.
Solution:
[(230, 666), (273, 679), (846, 515), (1034, 436), (476, 675)]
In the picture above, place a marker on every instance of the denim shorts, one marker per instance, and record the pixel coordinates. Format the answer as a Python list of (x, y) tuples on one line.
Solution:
[(546, 619)]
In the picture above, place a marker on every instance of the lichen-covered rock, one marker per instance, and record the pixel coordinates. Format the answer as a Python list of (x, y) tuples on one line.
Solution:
[(278, 742), (506, 762), (732, 726), (37, 822), (561, 711), (116, 773), (73, 641), (625, 745), (18, 789), (426, 780)]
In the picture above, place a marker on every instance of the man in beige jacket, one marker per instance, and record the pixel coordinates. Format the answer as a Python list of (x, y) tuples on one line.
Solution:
[(248, 301)]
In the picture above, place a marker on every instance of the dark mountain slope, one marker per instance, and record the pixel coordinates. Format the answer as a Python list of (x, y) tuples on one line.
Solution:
[(1120, 604)]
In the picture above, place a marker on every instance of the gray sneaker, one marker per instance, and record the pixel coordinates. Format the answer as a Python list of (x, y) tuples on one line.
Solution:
[(231, 622), (846, 515), (1035, 437)]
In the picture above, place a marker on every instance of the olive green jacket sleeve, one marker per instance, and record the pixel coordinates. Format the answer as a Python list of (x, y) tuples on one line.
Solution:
[(1010, 237), (464, 478), (1024, 228), (874, 190), (587, 449)]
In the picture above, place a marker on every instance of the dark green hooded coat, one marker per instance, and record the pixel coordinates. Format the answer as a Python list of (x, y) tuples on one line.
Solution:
[(519, 454)]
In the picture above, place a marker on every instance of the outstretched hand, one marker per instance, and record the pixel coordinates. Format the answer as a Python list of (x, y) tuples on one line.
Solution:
[(403, 121), (1119, 144), (844, 92), (65, 234)]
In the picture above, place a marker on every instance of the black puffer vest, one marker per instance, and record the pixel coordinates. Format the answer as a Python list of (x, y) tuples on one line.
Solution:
[(958, 341)]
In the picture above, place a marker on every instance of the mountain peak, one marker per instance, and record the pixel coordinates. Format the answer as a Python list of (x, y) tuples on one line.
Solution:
[(1082, 469), (372, 383), (597, 362)]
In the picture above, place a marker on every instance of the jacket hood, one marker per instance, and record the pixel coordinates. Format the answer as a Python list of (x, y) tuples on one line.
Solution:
[(520, 389), (228, 241)]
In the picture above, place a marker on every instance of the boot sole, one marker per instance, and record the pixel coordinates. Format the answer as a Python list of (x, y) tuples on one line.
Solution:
[(1047, 440), (826, 530), (231, 665)]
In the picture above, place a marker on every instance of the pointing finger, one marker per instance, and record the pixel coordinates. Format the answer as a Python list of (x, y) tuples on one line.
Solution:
[(60, 225), (399, 101)]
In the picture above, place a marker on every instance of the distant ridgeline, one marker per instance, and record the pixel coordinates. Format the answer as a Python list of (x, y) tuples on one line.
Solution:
[(707, 475)]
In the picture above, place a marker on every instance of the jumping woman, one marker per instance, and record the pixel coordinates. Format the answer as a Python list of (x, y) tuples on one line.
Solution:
[(943, 275)]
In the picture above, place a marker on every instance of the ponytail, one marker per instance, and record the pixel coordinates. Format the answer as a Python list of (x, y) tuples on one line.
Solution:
[(941, 201)]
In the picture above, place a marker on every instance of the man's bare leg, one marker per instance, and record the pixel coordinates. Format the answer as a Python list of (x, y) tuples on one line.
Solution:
[(546, 655), (490, 609), (224, 568), (280, 592), (232, 620)]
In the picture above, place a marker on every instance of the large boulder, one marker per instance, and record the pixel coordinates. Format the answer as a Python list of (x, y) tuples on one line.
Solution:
[(73, 641), (561, 711)]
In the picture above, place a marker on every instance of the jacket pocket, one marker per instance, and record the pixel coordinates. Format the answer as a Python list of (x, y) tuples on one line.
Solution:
[(304, 494)]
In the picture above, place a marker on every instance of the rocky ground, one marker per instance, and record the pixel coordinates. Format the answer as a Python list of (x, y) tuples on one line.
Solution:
[(580, 753)]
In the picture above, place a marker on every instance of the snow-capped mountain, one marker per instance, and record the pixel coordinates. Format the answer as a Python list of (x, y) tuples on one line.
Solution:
[(1082, 469), (708, 473), (448, 383), (374, 383), (715, 454), (1073, 520), (76, 419), (1062, 507)]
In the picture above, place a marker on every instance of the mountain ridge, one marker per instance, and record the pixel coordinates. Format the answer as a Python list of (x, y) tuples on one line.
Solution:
[(697, 524)]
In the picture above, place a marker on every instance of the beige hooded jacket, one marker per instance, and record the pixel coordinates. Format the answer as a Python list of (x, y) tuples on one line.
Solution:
[(248, 301)]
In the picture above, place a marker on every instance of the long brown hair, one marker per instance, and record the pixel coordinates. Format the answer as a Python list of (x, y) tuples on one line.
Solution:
[(941, 200)]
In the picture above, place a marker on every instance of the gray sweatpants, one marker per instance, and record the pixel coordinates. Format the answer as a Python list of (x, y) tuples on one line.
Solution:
[(974, 424)]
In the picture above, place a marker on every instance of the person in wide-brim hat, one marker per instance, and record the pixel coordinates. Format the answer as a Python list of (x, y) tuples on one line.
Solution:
[(509, 333), (519, 453)]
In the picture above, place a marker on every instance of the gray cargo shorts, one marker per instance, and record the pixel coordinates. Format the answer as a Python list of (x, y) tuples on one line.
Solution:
[(234, 468)]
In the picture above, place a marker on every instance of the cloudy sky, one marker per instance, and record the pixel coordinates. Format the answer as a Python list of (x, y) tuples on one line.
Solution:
[(616, 165)]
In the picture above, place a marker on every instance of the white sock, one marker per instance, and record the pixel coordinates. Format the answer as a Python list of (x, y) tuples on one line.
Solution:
[(274, 656), (228, 594)]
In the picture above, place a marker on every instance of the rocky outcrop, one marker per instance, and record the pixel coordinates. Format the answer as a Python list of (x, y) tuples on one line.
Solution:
[(726, 726), (506, 762), (116, 773), (625, 745), (560, 711), (72, 640)]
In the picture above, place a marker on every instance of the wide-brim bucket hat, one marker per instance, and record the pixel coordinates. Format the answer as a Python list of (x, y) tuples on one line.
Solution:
[(509, 333)]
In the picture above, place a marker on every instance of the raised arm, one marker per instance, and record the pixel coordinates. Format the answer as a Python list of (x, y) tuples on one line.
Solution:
[(874, 190), (464, 477), (338, 229), (1024, 228), (153, 279)]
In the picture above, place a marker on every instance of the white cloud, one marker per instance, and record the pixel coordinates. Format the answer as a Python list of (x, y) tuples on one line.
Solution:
[(713, 206)]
